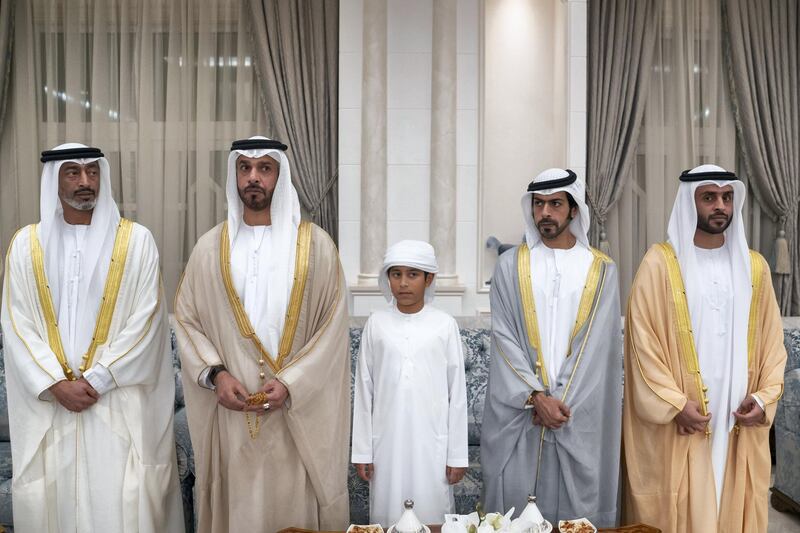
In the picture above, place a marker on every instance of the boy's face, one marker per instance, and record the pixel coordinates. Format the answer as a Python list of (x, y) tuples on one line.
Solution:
[(408, 285)]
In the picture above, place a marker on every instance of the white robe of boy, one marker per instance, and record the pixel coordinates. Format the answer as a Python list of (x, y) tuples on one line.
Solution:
[(410, 406)]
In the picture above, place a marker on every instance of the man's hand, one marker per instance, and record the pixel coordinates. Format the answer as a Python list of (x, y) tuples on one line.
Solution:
[(276, 393), (691, 419), (454, 474), (365, 470), (231, 394), (749, 413), (549, 412), (75, 395)]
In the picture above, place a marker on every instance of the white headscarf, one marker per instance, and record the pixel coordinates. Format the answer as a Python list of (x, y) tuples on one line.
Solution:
[(414, 254), (577, 189), (99, 241), (285, 219), (681, 230)]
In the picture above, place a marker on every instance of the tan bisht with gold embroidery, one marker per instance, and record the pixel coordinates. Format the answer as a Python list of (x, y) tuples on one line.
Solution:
[(263, 339), (670, 480), (292, 470), (704, 368)]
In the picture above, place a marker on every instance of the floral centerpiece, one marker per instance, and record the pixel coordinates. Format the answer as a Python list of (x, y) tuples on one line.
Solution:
[(480, 522)]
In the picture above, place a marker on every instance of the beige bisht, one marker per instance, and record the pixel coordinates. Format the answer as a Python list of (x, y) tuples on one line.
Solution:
[(288, 467), (670, 481)]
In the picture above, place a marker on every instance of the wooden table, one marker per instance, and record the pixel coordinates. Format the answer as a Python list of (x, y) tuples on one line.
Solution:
[(637, 528)]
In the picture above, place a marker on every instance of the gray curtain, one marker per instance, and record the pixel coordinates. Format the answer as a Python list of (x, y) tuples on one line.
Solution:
[(622, 35), (297, 58), (6, 40), (762, 44)]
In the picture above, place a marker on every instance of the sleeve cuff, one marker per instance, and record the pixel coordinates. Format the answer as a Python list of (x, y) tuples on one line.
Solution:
[(100, 379), (361, 459), (759, 402), (458, 463), (288, 402), (45, 395), (203, 379)]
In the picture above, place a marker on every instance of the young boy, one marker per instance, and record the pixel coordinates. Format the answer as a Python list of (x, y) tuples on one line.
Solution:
[(410, 407)]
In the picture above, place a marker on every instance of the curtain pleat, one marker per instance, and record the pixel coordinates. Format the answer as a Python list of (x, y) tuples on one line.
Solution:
[(161, 86), (688, 121), (296, 46), (622, 36), (762, 45)]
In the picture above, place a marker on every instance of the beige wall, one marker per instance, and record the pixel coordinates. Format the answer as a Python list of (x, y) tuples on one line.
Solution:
[(521, 108), (524, 110)]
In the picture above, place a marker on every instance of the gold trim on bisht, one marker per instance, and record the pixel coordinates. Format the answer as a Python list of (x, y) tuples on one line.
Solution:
[(757, 271), (116, 270), (295, 300), (529, 310), (685, 336), (596, 282), (686, 343), (529, 304), (589, 292)]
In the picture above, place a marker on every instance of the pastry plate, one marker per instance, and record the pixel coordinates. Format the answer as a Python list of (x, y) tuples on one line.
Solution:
[(579, 525), (372, 528)]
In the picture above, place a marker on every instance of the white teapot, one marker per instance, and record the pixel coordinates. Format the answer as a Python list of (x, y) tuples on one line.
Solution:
[(532, 514), (409, 523)]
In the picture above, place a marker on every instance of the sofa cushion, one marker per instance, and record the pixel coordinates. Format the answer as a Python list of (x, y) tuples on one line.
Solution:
[(6, 516), (5, 434), (179, 400), (183, 445), (467, 493), (787, 436), (791, 340), (476, 345), (5, 460)]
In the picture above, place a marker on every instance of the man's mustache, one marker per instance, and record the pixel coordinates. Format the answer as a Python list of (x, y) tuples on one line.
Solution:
[(255, 188), (85, 190)]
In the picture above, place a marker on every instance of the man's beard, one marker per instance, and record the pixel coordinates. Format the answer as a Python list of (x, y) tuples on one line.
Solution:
[(81, 205), (555, 230), (704, 224), (253, 201)]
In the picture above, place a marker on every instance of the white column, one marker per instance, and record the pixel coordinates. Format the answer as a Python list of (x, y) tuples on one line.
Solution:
[(373, 141), (443, 140)]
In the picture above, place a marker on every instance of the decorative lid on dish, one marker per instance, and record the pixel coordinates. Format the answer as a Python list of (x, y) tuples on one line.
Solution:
[(408, 523), (531, 512)]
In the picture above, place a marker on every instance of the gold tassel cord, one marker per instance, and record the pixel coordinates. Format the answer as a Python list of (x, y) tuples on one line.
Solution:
[(783, 264)]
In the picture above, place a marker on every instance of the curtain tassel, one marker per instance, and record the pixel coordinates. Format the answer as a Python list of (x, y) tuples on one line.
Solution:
[(782, 263), (604, 246)]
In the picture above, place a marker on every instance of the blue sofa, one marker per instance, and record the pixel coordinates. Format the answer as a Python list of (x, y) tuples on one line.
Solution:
[(475, 338), (467, 493), (786, 488)]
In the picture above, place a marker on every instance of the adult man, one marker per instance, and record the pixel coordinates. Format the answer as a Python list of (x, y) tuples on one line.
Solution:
[(263, 340), (89, 370), (704, 361), (556, 348)]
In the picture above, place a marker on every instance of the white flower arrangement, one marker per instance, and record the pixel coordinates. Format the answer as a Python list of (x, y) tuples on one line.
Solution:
[(488, 523)]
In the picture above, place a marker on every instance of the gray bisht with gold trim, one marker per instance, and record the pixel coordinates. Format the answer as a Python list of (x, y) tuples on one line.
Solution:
[(574, 470)]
